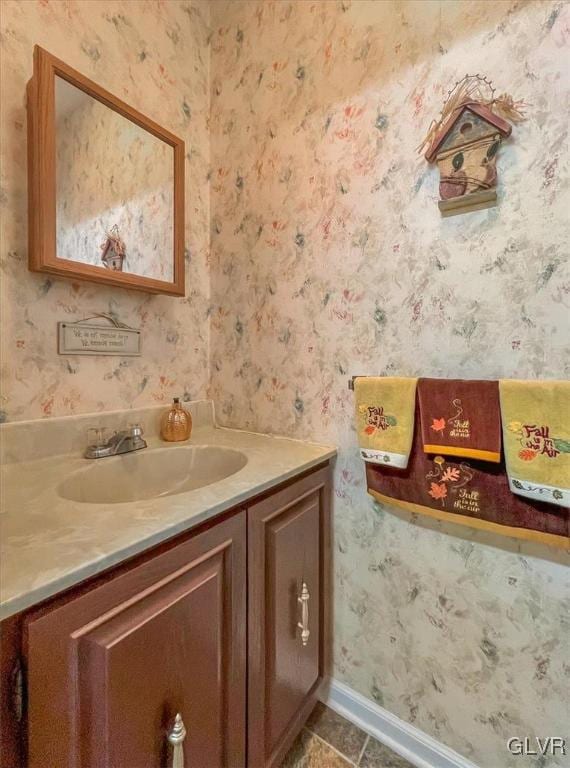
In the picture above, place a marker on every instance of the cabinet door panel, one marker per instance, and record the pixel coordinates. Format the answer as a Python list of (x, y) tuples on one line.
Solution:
[(292, 540), (288, 547), (113, 667), (138, 670)]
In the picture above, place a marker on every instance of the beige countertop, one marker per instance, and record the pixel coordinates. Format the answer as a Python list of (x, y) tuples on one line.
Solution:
[(48, 543)]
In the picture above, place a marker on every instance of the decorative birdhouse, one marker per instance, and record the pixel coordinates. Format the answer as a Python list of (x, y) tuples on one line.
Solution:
[(113, 250), (465, 141)]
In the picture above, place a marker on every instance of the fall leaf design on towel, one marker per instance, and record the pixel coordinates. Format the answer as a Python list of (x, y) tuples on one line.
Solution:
[(445, 481), (459, 427), (438, 491), (527, 455), (451, 474), (376, 419), (536, 441)]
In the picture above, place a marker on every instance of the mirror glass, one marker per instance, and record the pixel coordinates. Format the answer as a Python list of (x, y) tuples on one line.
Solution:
[(114, 188)]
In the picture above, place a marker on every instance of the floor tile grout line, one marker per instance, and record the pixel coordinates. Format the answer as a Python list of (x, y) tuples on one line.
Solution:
[(363, 750), (368, 741), (334, 749), (308, 727)]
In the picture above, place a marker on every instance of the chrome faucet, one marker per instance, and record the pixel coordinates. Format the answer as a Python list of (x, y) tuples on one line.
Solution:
[(127, 440)]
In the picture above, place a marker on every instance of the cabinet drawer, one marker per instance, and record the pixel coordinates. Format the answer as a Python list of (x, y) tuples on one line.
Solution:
[(288, 546), (109, 670)]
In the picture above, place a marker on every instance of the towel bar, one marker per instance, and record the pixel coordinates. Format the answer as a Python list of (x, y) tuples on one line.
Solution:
[(351, 381)]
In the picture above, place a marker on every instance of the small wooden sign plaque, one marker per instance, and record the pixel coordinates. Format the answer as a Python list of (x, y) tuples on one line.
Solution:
[(81, 339)]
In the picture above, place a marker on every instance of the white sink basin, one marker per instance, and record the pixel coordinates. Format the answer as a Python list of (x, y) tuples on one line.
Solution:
[(151, 473)]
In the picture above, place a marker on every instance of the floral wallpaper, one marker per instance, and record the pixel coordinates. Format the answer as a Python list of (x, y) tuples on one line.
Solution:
[(318, 221), (109, 173), (330, 258), (155, 56)]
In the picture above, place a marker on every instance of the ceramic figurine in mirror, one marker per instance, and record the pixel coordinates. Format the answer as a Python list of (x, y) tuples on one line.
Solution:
[(109, 181)]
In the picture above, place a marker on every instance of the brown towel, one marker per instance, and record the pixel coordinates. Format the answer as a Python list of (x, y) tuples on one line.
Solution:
[(461, 418), (465, 490)]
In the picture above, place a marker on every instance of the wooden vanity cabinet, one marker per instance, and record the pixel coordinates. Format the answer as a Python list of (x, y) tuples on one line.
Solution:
[(109, 671), (288, 565), (226, 625)]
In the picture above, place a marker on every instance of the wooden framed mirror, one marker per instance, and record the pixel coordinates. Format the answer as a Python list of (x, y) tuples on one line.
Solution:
[(105, 185)]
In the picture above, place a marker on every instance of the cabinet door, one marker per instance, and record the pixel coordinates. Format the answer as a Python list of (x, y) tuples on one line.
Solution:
[(287, 559), (109, 671)]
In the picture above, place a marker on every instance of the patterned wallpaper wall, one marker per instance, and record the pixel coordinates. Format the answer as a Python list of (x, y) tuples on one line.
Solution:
[(155, 56), (330, 258)]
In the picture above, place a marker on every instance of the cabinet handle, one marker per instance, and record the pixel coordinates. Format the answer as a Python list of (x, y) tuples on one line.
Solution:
[(304, 623), (176, 736)]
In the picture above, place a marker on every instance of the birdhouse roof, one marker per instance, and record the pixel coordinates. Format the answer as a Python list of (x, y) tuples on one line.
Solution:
[(110, 252), (477, 108)]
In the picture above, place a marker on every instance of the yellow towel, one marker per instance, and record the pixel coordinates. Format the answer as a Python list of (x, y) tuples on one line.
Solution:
[(536, 438), (385, 409)]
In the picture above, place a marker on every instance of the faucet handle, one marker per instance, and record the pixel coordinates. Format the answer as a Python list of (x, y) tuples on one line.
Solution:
[(99, 436), (94, 437), (136, 430)]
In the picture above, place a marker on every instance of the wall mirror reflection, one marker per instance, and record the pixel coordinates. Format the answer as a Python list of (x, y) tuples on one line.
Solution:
[(106, 185)]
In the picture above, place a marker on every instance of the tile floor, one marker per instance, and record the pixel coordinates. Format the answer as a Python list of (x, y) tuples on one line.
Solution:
[(330, 741)]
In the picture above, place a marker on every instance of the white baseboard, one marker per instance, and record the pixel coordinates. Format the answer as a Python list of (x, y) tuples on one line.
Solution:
[(414, 745)]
